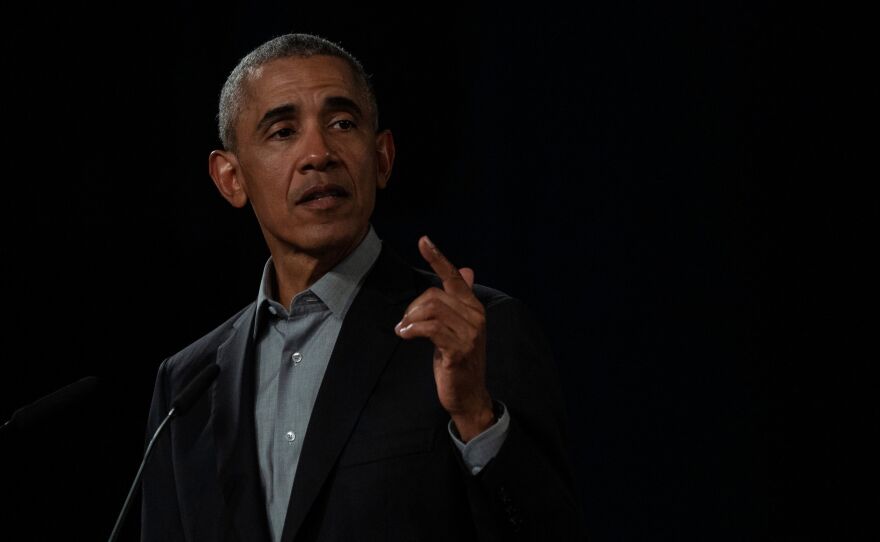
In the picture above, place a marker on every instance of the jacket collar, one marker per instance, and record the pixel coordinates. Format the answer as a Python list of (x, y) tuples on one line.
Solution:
[(234, 432), (366, 342)]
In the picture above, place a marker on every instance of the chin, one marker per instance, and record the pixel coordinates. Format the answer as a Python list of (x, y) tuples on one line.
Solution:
[(331, 238)]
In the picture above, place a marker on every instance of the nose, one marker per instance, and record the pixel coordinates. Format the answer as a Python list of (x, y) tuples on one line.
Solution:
[(316, 154)]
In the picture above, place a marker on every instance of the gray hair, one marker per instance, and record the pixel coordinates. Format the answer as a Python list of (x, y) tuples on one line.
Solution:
[(288, 45)]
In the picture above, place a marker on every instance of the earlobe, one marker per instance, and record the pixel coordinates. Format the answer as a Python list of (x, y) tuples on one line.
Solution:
[(384, 157), (223, 168)]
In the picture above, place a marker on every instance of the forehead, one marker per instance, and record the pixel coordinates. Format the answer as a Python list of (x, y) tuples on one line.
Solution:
[(297, 79)]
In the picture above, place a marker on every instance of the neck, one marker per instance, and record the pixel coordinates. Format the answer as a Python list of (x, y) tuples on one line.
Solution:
[(296, 271)]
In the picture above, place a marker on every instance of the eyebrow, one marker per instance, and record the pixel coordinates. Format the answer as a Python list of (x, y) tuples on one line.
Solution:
[(289, 111), (341, 103), (286, 111)]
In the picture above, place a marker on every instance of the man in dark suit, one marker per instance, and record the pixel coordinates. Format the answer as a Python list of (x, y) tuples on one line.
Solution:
[(358, 398)]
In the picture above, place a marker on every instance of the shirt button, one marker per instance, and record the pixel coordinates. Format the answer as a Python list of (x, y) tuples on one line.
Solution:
[(272, 310), (290, 436), (296, 357)]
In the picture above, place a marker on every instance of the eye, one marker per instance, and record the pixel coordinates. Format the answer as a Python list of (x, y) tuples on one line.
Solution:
[(345, 124), (283, 133)]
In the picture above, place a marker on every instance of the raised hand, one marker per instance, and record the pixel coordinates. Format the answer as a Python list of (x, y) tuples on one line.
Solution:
[(455, 321)]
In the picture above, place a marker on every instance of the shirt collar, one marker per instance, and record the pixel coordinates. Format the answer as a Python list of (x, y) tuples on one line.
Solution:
[(337, 288)]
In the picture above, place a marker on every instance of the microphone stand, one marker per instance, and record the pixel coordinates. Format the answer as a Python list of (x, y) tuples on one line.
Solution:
[(127, 504), (180, 405)]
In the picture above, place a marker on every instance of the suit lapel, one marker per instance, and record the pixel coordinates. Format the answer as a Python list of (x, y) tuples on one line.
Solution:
[(366, 342), (235, 435)]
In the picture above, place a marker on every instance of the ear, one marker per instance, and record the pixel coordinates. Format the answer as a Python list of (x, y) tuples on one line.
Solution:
[(384, 157), (223, 167)]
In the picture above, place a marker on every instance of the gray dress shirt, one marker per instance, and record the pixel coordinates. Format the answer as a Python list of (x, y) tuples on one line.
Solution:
[(293, 347)]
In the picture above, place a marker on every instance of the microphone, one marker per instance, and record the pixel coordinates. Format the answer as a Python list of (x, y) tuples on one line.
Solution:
[(52, 404), (196, 387), (179, 406)]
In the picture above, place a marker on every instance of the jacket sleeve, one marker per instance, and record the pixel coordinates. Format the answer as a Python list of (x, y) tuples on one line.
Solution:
[(160, 511), (526, 492)]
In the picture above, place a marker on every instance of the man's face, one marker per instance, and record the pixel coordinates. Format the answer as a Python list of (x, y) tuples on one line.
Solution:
[(307, 156)]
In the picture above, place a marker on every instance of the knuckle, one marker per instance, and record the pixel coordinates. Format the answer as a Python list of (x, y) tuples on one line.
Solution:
[(471, 341), (433, 292), (432, 305), (480, 321)]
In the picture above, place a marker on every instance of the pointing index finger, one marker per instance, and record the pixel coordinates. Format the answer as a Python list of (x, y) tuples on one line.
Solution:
[(453, 282)]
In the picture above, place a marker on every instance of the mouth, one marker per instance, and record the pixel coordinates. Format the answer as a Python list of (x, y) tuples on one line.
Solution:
[(329, 192)]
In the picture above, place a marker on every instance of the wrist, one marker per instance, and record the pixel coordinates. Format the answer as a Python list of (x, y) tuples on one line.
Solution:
[(469, 425)]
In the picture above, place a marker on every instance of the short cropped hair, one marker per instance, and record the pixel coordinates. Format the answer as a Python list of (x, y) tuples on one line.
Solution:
[(286, 46)]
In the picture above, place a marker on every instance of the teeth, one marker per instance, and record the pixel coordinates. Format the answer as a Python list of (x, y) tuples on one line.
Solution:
[(319, 195)]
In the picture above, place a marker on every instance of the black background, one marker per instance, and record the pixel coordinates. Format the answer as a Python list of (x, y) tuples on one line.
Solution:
[(651, 179)]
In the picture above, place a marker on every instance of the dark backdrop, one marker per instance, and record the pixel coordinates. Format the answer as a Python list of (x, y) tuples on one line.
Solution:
[(616, 165)]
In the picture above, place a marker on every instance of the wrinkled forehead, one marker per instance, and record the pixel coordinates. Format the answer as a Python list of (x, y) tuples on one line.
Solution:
[(304, 73)]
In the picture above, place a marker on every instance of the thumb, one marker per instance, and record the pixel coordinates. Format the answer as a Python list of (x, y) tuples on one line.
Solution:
[(468, 275)]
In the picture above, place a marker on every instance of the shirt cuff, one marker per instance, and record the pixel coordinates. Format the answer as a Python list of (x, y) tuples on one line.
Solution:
[(482, 448)]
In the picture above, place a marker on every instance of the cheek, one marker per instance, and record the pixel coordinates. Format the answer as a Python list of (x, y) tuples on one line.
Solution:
[(275, 166), (269, 201), (271, 180), (368, 172), (366, 187)]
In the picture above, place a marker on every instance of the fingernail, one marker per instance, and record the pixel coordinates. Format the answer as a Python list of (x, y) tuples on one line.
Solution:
[(405, 329), (397, 327), (430, 244)]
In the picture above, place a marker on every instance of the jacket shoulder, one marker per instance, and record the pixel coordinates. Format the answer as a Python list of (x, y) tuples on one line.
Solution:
[(204, 350)]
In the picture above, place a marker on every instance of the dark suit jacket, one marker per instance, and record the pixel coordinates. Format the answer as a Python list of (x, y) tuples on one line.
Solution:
[(378, 463)]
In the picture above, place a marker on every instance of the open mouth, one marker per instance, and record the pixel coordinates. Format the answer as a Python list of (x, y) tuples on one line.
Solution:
[(323, 191)]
